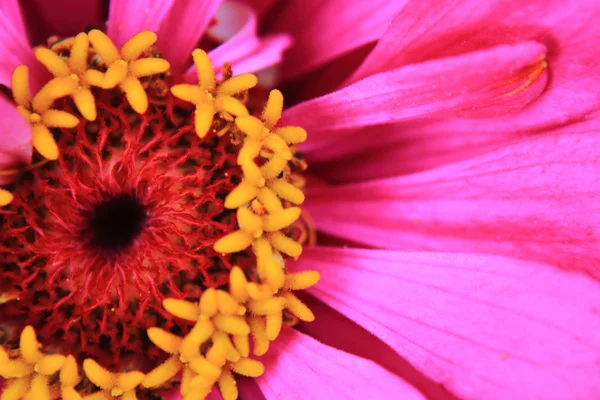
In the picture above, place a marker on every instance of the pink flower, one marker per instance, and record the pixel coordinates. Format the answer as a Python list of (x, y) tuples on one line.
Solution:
[(454, 158)]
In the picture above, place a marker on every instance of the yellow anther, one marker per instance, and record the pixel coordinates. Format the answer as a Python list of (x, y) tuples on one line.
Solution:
[(252, 173), (208, 303), (148, 66), (78, 59), (259, 292), (283, 219), (210, 98), (226, 303), (139, 43), (291, 134), (252, 126), (228, 386), (273, 109), (53, 62), (39, 389), (34, 118), (135, 93), (58, 119), (269, 199), (98, 375), (274, 274), (202, 366), (204, 67), (163, 373), (69, 374), (124, 69), (249, 367), (274, 324), (242, 344), (200, 333), (186, 379), (266, 307), (231, 324), (29, 346), (69, 393), (182, 309), (237, 84), (249, 222), (286, 245), (298, 308), (249, 151), (128, 381), (43, 141), (278, 146), (274, 167), (237, 284), (16, 369), (233, 242), (287, 191), (50, 364), (16, 389), (38, 112), (166, 341), (103, 46), (203, 118), (6, 198), (301, 280)]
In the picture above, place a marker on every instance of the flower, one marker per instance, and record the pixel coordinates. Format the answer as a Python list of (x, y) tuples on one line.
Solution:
[(453, 181)]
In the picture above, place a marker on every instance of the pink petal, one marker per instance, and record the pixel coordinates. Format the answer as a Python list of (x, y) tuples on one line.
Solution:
[(269, 53), (323, 30), (423, 31), (297, 366), (236, 28), (14, 47), (261, 6), (62, 17), (487, 327), (478, 82), (336, 330), (15, 140), (405, 148), (182, 29), (535, 200), (129, 17)]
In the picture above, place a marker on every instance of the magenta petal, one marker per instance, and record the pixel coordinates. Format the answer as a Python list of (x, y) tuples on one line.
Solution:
[(323, 30), (477, 82), (182, 29), (269, 53), (236, 28), (487, 327), (14, 48), (298, 366), (535, 200), (67, 17), (15, 140), (425, 30), (129, 17)]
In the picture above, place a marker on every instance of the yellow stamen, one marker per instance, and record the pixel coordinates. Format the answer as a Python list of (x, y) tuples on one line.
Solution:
[(286, 245), (234, 242), (206, 74), (272, 112), (227, 386), (50, 364), (301, 280), (139, 43), (166, 341), (98, 375), (283, 219), (6, 198), (208, 303), (249, 367), (163, 373), (182, 309), (29, 346), (298, 308)]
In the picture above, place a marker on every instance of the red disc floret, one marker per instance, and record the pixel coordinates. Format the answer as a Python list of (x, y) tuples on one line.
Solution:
[(83, 275)]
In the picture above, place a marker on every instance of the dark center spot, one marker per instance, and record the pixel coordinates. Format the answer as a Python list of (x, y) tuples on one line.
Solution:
[(115, 223)]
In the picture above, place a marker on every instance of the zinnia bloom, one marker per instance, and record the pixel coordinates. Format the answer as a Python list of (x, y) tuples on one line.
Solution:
[(152, 244)]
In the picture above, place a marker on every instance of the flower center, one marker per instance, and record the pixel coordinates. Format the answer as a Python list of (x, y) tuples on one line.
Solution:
[(164, 226), (115, 223)]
